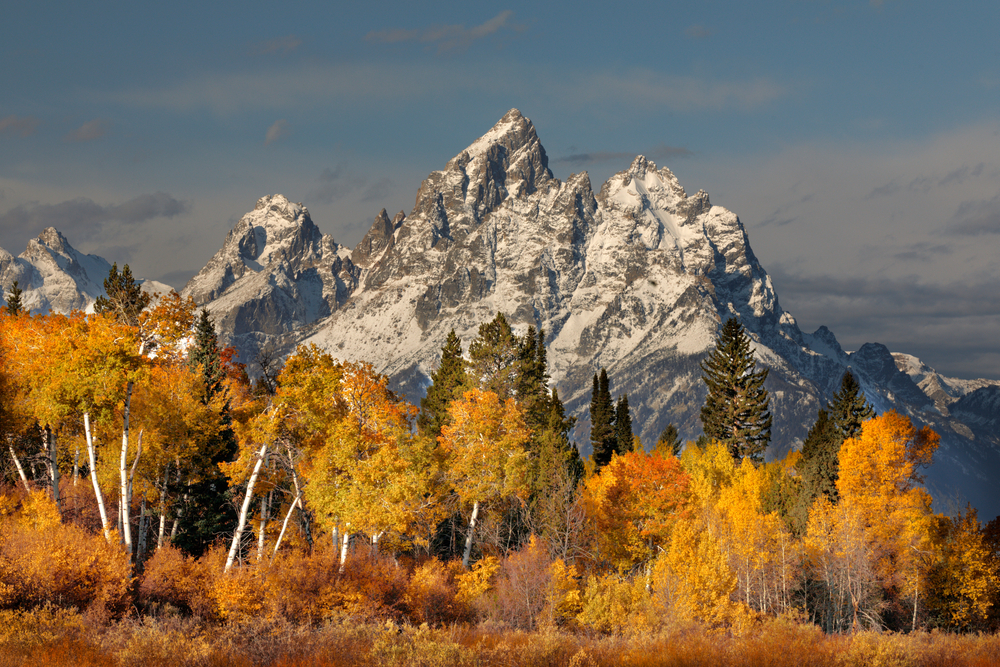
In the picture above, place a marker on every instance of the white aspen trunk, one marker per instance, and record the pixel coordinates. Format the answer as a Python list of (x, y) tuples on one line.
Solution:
[(262, 533), (284, 526), (93, 476), (375, 539), (343, 548), (163, 508), (124, 496), (76, 465), (468, 538), (53, 451), (20, 470), (245, 509)]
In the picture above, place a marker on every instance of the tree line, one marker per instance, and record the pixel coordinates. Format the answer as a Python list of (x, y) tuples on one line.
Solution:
[(183, 453)]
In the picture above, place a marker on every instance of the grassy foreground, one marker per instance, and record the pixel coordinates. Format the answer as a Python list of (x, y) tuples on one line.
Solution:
[(61, 637)]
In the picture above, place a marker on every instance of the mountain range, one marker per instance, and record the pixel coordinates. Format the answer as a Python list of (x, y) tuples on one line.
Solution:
[(636, 278)]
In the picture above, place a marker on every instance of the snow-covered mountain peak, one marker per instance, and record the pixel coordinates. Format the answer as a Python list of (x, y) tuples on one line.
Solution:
[(54, 275)]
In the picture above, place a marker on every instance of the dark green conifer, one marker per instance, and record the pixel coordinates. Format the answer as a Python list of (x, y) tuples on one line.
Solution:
[(124, 297), (494, 357), (849, 408), (205, 354), (447, 383), (603, 438), (14, 306), (736, 409), (624, 437), (669, 443)]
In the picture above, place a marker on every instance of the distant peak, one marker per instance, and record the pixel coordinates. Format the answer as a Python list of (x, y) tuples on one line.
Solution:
[(513, 132), (53, 238), (280, 205)]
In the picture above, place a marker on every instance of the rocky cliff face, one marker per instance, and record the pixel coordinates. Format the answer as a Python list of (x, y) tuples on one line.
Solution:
[(274, 274), (637, 278), (53, 275)]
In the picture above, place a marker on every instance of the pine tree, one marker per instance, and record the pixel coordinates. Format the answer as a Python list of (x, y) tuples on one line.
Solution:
[(447, 383), (817, 467), (125, 298), (849, 408), (623, 426), (533, 379), (205, 353), (736, 409), (669, 443), (603, 438), (14, 306), (493, 358)]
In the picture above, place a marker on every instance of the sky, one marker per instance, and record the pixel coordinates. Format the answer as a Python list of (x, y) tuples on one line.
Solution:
[(859, 142)]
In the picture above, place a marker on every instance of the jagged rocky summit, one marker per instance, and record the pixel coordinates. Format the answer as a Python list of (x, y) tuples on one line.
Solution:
[(637, 278), (55, 276)]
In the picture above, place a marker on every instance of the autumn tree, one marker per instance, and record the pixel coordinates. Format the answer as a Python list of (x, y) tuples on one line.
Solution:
[(736, 409), (963, 581), (485, 450), (632, 504), (124, 299)]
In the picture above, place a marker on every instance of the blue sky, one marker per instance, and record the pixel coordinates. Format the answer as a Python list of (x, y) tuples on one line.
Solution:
[(859, 142)]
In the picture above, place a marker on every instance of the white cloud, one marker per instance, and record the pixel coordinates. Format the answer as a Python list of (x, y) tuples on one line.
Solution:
[(278, 130), (447, 37), (89, 131)]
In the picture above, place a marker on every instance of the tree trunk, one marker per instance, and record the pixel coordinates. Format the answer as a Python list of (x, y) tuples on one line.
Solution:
[(262, 533), (343, 548), (93, 476), (284, 526), (245, 509), (140, 555), (123, 475), (468, 538), (163, 507), (20, 470), (76, 465), (53, 454)]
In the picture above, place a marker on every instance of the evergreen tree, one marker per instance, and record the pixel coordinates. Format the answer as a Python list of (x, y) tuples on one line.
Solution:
[(205, 354), (624, 437), (669, 443), (447, 383), (818, 468), (125, 298), (533, 379), (493, 358), (849, 408), (603, 438), (736, 409), (14, 306)]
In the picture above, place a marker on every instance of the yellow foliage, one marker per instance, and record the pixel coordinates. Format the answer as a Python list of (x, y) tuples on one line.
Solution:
[(614, 605), (478, 581), (564, 599)]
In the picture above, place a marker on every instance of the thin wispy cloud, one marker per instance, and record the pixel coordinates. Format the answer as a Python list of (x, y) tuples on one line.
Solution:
[(22, 126), (281, 46), (89, 131), (927, 183), (697, 32), (597, 157), (278, 130), (447, 37), (84, 215), (978, 217)]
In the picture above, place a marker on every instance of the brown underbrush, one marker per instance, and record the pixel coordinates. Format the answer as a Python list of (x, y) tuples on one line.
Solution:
[(50, 636)]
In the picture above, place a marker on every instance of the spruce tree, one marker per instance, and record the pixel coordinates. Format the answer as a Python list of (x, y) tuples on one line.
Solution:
[(205, 354), (849, 408), (494, 357), (14, 306), (124, 297), (818, 467), (736, 409), (603, 438), (624, 437), (669, 443), (447, 383)]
